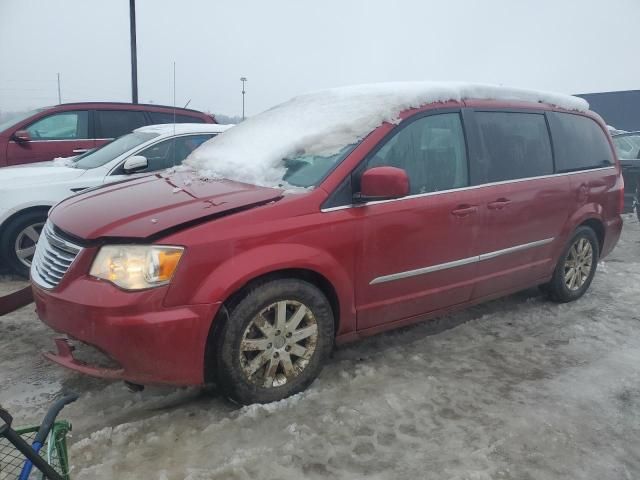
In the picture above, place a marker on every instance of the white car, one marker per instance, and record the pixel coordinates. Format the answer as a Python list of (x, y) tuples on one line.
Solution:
[(28, 192)]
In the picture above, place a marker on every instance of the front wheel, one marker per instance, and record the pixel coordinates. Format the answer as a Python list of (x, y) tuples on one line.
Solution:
[(275, 341), (576, 268), (19, 239)]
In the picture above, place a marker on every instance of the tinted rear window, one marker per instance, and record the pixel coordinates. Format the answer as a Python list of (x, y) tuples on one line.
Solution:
[(161, 117), (579, 143), (115, 123), (515, 145)]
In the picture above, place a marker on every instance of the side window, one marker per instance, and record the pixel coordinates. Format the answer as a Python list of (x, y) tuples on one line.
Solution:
[(579, 143), (431, 150), (115, 123), (627, 146), (60, 126), (514, 145), (171, 152), (163, 117)]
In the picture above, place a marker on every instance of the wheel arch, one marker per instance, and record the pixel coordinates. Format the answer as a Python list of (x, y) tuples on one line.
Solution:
[(316, 279), (597, 226), (590, 215), (10, 218)]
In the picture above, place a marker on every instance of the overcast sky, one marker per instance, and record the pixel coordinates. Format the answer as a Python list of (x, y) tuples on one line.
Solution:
[(286, 47)]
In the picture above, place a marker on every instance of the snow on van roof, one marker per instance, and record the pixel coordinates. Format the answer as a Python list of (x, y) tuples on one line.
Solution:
[(180, 128), (324, 122)]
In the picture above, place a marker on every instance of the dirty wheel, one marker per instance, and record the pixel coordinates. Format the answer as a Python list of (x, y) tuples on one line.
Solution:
[(275, 341), (576, 267)]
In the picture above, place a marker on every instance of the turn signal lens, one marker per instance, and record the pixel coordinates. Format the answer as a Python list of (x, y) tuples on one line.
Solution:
[(136, 267)]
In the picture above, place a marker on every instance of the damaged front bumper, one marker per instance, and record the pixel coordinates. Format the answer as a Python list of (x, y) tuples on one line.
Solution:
[(149, 342), (65, 357)]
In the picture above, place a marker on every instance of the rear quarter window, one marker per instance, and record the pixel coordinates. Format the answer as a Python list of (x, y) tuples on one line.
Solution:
[(579, 143)]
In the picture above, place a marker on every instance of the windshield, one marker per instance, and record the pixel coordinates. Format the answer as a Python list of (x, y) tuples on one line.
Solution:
[(14, 120), (627, 146), (111, 150), (309, 170)]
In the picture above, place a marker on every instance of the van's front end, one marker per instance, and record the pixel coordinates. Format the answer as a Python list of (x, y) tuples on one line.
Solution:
[(106, 288)]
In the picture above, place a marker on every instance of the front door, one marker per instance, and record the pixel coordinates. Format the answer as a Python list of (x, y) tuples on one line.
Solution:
[(418, 253), (63, 134), (161, 155)]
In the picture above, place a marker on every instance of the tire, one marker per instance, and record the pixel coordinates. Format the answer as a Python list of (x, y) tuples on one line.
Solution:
[(21, 231), (240, 344), (565, 287)]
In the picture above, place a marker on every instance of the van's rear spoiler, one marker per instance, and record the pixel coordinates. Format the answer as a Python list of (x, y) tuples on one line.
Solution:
[(16, 300)]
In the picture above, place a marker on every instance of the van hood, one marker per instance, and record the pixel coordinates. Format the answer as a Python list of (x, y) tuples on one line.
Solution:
[(37, 173), (150, 205)]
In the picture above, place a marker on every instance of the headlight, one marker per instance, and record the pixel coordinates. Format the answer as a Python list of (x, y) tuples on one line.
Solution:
[(135, 267)]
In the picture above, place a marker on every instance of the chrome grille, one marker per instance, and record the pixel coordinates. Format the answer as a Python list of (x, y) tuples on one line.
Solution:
[(54, 255)]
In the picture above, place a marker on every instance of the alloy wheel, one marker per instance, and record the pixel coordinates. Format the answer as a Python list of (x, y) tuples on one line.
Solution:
[(278, 343), (578, 264), (25, 244)]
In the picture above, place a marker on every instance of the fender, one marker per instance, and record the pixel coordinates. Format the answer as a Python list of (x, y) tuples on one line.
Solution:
[(585, 212), (239, 270), (10, 212)]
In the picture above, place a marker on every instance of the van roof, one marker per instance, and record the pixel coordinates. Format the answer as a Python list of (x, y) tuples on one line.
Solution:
[(324, 122), (404, 95), (153, 105)]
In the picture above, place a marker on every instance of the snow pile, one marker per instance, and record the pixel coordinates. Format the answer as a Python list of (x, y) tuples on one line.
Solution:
[(64, 161), (615, 131), (322, 123)]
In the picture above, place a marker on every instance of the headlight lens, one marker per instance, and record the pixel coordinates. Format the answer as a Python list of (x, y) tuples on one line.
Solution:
[(135, 267)]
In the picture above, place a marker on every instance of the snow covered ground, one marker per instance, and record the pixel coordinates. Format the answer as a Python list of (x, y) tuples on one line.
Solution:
[(520, 389)]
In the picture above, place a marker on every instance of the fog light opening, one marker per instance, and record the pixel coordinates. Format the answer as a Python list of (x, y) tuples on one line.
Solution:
[(134, 387)]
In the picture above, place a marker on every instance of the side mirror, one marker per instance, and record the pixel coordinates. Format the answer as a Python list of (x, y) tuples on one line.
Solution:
[(22, 136), (136, 162), (383, 183)]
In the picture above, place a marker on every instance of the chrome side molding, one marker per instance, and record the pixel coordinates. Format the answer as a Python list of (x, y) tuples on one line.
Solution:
[(458, 263)]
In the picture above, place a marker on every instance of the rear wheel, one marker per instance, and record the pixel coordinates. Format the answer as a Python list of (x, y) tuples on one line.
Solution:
[(576, 268), (19, 238), (275, 341)]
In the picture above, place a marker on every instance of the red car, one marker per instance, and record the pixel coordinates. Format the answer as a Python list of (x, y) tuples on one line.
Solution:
[(379, 207), (73, 128)]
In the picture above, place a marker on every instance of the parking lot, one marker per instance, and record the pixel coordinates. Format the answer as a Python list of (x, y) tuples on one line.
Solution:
[(519, 388)]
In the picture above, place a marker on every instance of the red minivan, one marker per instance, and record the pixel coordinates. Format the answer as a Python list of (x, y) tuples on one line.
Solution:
[(73, 128), (337, 215)]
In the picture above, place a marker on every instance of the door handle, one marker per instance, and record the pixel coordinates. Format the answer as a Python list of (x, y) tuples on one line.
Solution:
[(499, 204), (80, 150), (464, 210)]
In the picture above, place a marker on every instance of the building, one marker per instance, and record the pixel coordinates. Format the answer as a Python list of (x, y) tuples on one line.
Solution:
[(619, 109)]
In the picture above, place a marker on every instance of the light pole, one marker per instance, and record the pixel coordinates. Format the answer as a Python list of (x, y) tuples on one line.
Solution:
[(59, 94), (243, 80), (134, 55)]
